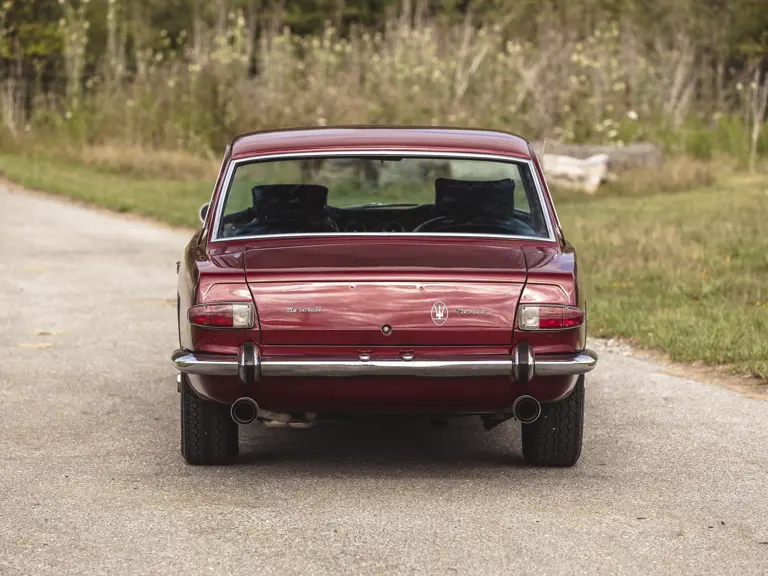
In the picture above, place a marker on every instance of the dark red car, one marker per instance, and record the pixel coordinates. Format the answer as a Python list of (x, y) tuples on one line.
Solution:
[(357, 270)]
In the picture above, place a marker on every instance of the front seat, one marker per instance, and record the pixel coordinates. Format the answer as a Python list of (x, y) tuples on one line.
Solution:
[(467, 199)]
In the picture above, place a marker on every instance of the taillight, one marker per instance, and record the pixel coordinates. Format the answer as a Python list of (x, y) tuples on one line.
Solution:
[(538, 317), (239, 315)]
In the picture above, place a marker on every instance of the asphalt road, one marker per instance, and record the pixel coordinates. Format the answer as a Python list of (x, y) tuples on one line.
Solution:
[(673, 479)]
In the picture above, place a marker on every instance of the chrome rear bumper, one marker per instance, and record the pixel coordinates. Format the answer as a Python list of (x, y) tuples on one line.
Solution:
[(250, 366)]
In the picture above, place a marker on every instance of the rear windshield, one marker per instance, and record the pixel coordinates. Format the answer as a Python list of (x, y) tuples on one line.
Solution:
[(364, 194)]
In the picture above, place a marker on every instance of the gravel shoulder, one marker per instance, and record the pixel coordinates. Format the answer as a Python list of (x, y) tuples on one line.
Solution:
[(672, 480)]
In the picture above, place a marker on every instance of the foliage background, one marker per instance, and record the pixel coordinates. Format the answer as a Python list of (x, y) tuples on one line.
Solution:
[(189, 74)]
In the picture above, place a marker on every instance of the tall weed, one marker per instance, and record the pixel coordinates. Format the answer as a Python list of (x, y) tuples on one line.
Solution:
[(598, 83)]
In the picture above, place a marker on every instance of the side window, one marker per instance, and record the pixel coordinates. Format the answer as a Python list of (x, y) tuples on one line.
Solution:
[(239, 195), (521, 197), (249, 175)]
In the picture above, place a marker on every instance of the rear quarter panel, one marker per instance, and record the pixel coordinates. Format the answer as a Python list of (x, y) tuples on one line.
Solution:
[(186, 286), (554, 277), (203, 279)]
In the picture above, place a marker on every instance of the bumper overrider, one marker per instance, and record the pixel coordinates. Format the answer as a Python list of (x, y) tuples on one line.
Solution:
[(521, 365)]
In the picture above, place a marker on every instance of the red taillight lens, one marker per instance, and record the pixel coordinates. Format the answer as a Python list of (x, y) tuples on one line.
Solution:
[(535, 317), (572, 317), (239, 315)]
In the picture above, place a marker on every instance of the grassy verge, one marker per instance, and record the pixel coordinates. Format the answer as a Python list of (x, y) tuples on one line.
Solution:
[(171, 200), (686, 273)]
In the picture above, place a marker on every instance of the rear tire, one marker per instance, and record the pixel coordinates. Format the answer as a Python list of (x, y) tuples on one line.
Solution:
[(555, 438), (208, 433)]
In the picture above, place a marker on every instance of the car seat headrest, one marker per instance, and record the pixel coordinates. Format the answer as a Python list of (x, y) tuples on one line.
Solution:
[(271, 199), (494, 198)]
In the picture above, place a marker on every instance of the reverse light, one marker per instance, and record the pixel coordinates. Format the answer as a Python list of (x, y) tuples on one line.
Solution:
[(239, 315), (537, 317)]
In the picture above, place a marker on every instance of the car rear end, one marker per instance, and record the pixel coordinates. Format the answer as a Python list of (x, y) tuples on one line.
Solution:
[(466, 334), (286, 328)]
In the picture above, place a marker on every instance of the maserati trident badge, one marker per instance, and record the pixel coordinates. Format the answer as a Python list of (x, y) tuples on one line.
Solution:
[(439, 313)]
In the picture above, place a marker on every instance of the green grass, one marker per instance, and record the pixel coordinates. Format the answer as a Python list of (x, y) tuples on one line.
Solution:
[(684, 272), (174, 201)]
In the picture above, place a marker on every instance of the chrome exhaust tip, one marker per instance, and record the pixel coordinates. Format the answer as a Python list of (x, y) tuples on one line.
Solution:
[(244, 410), (526, 409)]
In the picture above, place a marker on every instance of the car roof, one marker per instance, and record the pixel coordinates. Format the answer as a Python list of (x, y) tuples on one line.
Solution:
[(340, 138)]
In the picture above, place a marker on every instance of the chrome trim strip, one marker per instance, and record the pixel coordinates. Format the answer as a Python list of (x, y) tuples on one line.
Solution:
[(215, 185), (477, 366), (554, 208), (545, 185), (566, 364), (214, 235), (204, 364), (448, 367)]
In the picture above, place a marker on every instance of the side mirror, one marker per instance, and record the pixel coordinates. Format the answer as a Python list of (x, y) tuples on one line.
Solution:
[(203, 212)]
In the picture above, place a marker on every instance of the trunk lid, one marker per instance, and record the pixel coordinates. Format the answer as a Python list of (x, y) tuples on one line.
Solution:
[(349, 293)]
